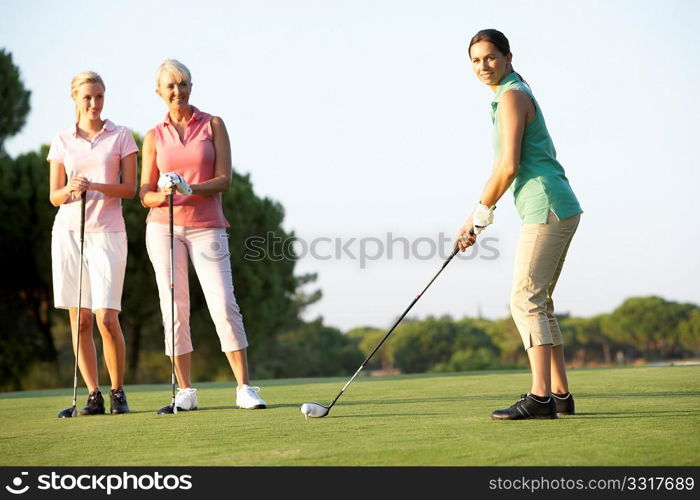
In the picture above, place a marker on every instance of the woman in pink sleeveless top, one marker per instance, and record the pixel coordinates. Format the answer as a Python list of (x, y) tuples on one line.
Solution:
[(190, 150)]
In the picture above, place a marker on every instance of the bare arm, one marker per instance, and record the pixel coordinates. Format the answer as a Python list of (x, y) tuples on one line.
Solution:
[(149, 194), (222, 164), (127, 187), (513, 111)]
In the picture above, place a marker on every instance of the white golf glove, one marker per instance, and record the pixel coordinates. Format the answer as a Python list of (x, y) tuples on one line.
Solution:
[(482, 217), (183, 188), (169, 180)]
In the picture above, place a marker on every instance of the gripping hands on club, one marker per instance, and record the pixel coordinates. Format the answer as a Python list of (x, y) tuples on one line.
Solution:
[(170, 180), (78, 185), (481, 217)]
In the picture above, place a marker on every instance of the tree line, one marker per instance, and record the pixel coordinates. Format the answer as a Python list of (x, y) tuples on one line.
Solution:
[(640, 329)]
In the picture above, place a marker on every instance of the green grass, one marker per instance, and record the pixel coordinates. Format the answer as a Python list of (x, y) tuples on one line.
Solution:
[(626, 416)]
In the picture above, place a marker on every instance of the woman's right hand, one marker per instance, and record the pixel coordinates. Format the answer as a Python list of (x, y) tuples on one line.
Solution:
[(465, 236), (78, 184), (154, 199), (75, 187)]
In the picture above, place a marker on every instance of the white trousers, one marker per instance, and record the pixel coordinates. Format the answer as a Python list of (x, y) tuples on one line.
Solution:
[(207, 248)]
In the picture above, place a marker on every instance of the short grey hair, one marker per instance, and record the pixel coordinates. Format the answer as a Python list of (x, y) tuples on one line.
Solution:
[(176, 68)]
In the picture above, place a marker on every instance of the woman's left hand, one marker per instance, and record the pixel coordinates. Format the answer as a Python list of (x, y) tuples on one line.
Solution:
[(465, 236)]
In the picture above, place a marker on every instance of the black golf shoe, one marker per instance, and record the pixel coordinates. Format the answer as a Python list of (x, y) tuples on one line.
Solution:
[(527, 408), (565, 403), (117, 401), (95, 404)]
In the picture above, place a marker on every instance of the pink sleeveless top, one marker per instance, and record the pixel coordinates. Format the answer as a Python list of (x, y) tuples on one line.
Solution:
[(192, 158)]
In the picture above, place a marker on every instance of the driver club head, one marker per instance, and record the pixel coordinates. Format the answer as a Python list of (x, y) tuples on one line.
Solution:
[(167, 410), (68, 413), (314, 410)]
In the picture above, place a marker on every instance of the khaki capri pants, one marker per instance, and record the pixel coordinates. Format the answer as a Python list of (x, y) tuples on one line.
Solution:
[(538, 262)]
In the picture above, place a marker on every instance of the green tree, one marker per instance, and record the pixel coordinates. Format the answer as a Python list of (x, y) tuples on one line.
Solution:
[(367, 338), (430, 344), (313, 350), (26, 300), (470, 359), (650, 324), (505, 335), (473, 349), (585, 341), (14, 99), (689, 332)]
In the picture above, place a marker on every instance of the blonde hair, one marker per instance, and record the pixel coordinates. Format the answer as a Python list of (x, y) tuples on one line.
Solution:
[(78, 80), (176, 68)]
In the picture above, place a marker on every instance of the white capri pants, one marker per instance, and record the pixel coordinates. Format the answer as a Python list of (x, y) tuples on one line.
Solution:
[(538, 262), (207, 248), (104, 264)]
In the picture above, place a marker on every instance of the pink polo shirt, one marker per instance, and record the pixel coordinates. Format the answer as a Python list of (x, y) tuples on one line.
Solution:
[(99, 161), (193, 158)]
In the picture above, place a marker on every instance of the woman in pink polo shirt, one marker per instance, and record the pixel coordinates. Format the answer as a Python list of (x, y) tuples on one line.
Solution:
[(99, 157), (190, 150)]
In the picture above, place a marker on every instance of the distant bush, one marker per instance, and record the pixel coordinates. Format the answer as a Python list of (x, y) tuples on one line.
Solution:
[(433, 344), (311, 350)]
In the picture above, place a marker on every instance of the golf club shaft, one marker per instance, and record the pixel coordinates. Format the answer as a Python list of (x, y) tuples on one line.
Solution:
[(454, 252), (172, 291), (83, 197)]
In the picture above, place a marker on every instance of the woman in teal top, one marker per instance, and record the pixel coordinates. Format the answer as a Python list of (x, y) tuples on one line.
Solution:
[(525, 161)]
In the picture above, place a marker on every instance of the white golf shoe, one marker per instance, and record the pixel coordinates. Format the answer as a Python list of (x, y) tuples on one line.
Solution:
[(186, 399), (248, 398)]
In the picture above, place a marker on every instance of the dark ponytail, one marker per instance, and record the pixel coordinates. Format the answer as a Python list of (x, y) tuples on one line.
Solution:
[(499, 40)]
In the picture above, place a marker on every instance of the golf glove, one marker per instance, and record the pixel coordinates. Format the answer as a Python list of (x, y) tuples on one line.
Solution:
[(183, 188), (169, 180), (482, 217)]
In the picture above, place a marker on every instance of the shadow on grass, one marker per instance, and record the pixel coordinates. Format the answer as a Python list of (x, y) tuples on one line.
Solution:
[(392, 415), (106, 414), (635, 394), (585, 415), (235, 408), (634, 414), (373, 402), (423, 400)]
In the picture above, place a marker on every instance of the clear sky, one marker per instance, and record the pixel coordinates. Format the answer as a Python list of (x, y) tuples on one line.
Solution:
[(363, 118)]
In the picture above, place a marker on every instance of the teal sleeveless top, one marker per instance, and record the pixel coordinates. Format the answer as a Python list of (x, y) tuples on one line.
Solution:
[(540, 186)]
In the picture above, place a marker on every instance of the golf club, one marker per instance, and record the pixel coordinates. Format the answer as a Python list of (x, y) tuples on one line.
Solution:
[(317, 410), (71, 412), (171, 408)]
